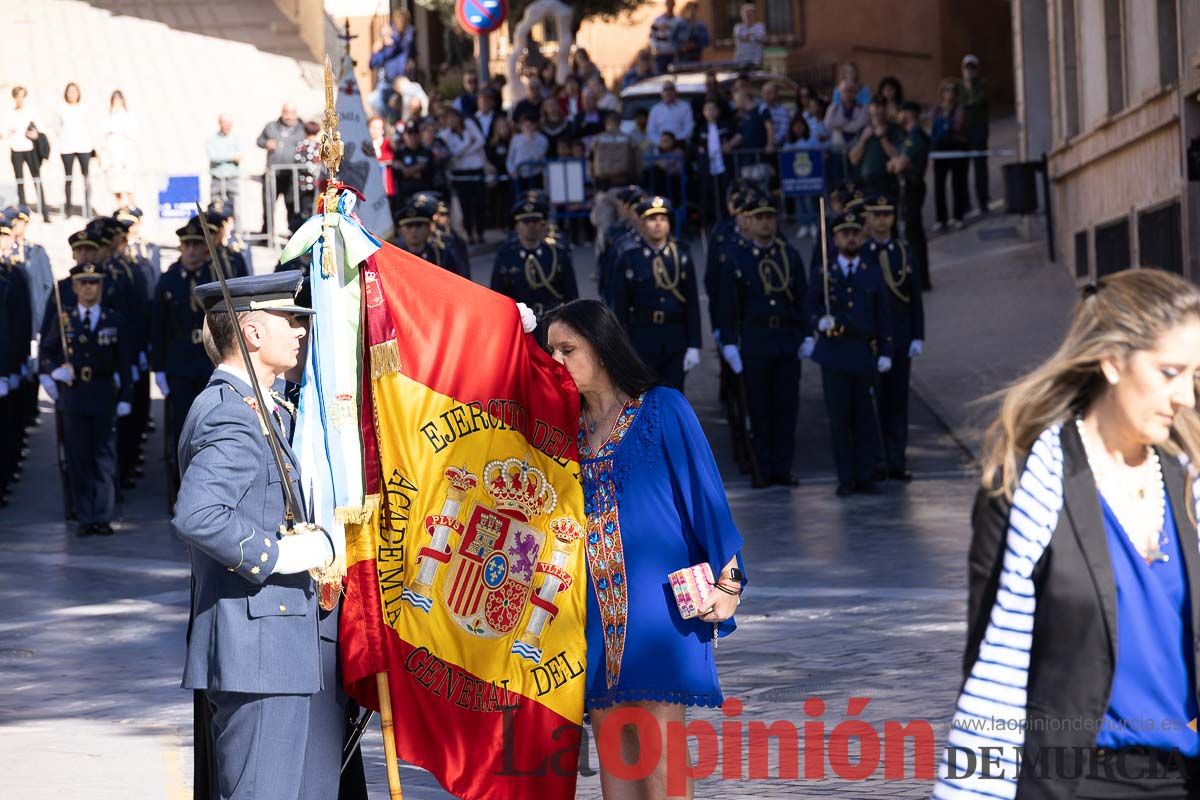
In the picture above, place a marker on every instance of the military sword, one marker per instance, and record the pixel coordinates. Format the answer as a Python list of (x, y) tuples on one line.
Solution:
[(292, 510), (825, 259), (360, 728), (62, 333)]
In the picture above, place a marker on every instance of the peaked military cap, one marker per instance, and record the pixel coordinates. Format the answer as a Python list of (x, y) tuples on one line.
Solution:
[(420, 208), (99, 231), (81, 239), (529, 208), (23, 212), (879, 202), (87, 272), (654, 205), (192, 232), (755, 203), (277, 291), (220, 207), (847, 222)]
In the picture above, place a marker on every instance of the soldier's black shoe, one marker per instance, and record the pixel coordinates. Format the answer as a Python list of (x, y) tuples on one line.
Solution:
[(85, 530), (844, 489), (900, 474), (785, 479), (867, 487), (760, 483), (103, 529)]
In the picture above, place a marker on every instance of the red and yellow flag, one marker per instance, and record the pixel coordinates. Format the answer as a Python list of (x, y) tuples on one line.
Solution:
[(468, 584)]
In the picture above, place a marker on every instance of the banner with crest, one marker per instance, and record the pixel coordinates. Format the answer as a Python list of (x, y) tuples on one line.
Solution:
[(467, 585)]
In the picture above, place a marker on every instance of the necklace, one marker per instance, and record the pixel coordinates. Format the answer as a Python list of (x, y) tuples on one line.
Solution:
[(595, 423), (1135, 496)]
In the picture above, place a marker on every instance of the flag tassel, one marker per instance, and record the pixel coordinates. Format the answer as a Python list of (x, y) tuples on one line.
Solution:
[(389, 739), (385, 359)]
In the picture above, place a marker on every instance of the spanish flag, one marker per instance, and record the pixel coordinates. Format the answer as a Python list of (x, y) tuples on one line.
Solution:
[(467, 584)]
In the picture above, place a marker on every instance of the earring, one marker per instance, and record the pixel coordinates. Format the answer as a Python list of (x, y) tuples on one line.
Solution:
[(1112, 379)]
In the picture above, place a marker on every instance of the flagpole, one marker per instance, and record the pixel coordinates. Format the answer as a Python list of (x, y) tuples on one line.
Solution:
[(389, 738)]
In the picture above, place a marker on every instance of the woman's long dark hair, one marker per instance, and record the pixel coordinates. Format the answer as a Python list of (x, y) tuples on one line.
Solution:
[(596, 323)]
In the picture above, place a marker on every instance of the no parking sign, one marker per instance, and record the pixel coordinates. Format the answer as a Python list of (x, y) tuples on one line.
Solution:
[(478, 17)]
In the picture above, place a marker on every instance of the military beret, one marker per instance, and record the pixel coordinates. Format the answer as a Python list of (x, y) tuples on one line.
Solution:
[(277, 291)]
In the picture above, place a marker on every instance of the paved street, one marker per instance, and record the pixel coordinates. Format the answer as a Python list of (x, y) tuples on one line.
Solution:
[(862, 597)]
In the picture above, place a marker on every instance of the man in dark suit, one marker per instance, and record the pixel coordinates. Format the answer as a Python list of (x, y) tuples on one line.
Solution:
[(853, 345)]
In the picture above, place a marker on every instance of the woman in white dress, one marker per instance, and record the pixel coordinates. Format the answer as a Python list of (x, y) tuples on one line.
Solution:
[(119, 150), (75, 144)]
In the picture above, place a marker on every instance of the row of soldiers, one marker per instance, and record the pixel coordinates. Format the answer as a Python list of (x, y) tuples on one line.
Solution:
[(102, 332), (857, 313)]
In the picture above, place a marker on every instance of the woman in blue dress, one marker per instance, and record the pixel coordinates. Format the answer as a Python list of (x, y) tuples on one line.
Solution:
[(655, 504)]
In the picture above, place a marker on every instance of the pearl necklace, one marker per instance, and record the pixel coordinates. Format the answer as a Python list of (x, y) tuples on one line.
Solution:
[(1135, 496)]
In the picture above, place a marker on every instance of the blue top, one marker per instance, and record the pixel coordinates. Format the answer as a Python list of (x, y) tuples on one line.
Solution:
[(655, 504), (1155, 679)]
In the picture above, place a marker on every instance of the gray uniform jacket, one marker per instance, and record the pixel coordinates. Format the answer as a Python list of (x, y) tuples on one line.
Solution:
[(252, 631)]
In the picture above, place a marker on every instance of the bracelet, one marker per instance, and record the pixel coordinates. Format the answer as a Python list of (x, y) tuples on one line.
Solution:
[(727, 590)]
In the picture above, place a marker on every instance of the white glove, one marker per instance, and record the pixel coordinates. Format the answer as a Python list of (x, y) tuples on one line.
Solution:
[(528, 318), (302, 551), (143, 363), (14, 381), (161, 380), (732, 357), (691, 359), (806, 348), (3, 388), (916, 348), (49, 385), (123, 409), (61, 374), (885, 363), (825, 324), (33, 351)]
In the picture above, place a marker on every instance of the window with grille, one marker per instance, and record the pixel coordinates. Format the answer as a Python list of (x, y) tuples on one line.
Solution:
[(1160, 239), (780, 18), (1112, 247)]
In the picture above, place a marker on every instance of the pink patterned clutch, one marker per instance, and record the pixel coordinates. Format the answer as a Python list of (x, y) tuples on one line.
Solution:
[(693, 586)]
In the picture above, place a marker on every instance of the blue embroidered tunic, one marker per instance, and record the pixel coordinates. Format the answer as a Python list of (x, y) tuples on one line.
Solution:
[(655, 504), (1153, 694)]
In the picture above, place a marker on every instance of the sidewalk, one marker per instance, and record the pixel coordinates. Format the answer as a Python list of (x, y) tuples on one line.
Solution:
[(998, 308)]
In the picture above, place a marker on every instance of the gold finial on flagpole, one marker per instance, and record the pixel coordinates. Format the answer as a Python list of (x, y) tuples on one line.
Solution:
[(331, 149)]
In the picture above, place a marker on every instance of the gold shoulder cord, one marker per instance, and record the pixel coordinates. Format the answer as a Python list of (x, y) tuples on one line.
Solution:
[(665, 280), (537, 278), (765, 268), (891, 281)]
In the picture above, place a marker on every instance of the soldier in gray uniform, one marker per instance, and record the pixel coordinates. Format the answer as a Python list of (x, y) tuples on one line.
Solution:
[(257, 645)]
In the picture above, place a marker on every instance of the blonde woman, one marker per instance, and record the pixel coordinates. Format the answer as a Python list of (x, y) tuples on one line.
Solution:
[(1084, 564)]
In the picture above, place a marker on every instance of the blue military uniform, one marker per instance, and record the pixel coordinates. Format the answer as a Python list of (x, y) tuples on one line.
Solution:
[(176, 343), (95, 391), (14, 365), (849, 355), (761, 312), (259, 646), (447, 239), (619, 236), (653, 292), (145, 256), (420, 210), (542, 277), (903, 279)]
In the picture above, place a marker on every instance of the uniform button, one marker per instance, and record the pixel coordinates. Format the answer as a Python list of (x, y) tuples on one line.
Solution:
[(282, 608), (850, 304)]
